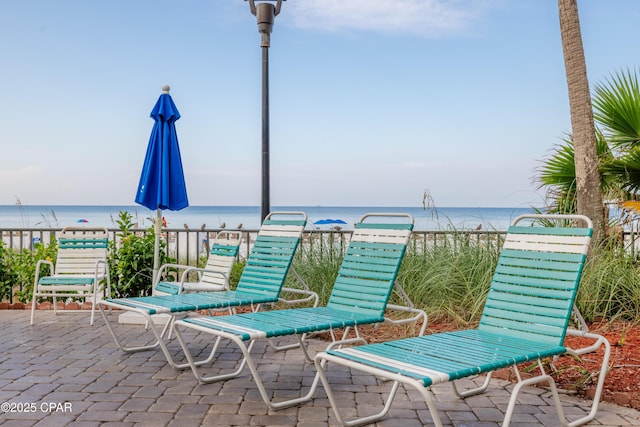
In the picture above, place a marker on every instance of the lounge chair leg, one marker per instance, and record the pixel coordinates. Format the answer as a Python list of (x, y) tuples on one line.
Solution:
[(159, 340), (246, 360), (94, 303), (285, 403), (600, 341), (193, 364), (473, 391), (323, 358), (289, 346), (261, 388), (33, 307), (117, 339), (529, 381)]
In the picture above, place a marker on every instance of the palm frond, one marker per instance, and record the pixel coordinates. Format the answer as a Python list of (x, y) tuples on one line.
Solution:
[(616, 104), (627, 167)]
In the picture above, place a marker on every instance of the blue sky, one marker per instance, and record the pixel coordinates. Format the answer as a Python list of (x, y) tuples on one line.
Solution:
[(372, 101)]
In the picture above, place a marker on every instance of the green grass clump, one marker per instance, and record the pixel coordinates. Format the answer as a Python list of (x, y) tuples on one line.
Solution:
[(450, 279), (449, 282), (610, 287), (318, 263)]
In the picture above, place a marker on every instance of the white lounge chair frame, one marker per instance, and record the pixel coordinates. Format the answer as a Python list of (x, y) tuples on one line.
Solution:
[(525, 319), (261, 282), (81, 267), (360, 296)]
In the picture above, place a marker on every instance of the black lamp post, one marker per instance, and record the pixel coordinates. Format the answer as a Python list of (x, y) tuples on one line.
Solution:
[(265, 12)]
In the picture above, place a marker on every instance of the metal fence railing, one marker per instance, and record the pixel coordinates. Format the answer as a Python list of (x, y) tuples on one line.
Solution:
[(188, 246)]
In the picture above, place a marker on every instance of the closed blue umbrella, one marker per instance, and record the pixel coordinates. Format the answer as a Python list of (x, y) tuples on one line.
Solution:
[(162, 183)]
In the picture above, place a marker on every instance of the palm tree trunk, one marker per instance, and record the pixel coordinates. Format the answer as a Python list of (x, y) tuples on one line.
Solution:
[(589, 191)]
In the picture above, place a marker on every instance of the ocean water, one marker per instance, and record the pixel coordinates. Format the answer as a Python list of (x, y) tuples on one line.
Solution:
[(194, 217)]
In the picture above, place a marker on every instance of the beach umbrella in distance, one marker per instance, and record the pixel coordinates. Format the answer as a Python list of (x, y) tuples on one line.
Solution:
[(162, 184), (329, 221)]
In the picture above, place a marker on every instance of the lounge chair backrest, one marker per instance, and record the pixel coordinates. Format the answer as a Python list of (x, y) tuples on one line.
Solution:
[(272, 253), (80, 249), (370, 267), (535, 282), (222, 256)]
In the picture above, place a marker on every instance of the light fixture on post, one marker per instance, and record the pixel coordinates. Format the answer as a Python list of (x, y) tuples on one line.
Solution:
[(265, 12)]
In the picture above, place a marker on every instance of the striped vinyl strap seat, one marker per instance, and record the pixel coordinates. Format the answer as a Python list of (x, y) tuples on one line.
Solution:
[(434, 359), (269, 324), (60, 280), (193, 301)]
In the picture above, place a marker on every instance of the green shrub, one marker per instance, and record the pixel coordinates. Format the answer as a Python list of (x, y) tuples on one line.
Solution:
[(610, 287), (317, 262), (449, 280), (236, 272), (131, 259), (8, 276), (24, 265)]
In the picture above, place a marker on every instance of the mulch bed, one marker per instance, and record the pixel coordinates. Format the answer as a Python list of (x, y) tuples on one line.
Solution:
[(578, 375)]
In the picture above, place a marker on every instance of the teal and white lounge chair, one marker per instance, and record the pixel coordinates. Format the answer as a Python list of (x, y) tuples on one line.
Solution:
[(525, 319), (261, 283), (213, 277), (81, 269), (360, 296)]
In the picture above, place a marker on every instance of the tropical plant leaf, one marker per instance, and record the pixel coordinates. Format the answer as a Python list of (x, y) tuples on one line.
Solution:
[(616, 105), (627, 167)]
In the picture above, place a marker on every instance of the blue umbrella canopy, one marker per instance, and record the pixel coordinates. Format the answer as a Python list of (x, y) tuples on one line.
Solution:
[(162, 183)]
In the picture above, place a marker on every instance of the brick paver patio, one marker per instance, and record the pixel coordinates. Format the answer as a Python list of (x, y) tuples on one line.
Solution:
[(64, 372)]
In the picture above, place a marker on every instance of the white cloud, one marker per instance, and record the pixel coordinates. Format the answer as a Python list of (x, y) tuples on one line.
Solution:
[(428, 18)]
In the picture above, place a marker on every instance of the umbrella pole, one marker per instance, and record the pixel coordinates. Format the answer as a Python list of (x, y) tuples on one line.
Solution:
[(156, 249)]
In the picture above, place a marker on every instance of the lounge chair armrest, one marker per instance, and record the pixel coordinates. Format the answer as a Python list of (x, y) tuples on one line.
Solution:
[(599, 341), (102, 269), (203, 270), (417, 315), (39, 264), (199, 270), (310, 296), (173, 265), (167, 266)]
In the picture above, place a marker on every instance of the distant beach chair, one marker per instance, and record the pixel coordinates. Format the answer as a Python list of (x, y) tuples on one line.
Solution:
[(81, 269), (261, 283), (525, 319), (360, 296)]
